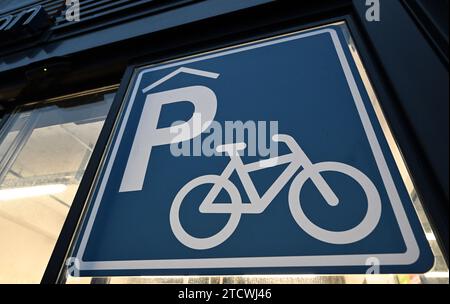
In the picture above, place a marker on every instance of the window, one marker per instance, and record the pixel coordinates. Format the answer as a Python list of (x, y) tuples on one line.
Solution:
[(44, 151), (439, 274)]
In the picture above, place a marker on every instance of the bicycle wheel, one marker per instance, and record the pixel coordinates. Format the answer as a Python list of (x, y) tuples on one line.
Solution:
[(359, 232), (218, 238)]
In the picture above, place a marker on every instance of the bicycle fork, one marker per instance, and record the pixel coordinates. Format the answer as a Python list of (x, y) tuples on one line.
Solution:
[(309, 169)]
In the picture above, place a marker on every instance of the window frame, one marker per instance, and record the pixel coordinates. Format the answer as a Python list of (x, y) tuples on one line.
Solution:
[(10, 117), (387, 88)]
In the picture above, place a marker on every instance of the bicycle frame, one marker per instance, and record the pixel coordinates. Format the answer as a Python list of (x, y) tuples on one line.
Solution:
[(296, 159)]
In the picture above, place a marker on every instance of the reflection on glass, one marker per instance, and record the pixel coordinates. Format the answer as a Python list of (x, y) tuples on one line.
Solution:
[(43, 154)]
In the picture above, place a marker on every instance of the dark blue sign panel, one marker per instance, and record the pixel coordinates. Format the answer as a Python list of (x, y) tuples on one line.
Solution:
[(263, 158)]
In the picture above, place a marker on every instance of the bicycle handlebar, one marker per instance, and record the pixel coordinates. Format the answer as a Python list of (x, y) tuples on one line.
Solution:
[(234, 147), (288, 140)]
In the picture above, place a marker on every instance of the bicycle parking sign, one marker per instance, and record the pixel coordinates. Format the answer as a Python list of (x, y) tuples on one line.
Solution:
[(263, 158)]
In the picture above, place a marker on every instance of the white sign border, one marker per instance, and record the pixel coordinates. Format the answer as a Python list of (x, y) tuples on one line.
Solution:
[(410, 256)]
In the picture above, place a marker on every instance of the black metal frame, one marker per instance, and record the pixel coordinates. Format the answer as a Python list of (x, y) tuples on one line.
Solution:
[(413, 92), (57, 260), (398, 100)]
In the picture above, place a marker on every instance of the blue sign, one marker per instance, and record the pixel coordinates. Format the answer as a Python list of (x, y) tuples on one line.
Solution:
[(264, 158)]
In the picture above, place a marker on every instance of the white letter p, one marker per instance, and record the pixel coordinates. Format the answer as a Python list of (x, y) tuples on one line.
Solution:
[(149, 135)]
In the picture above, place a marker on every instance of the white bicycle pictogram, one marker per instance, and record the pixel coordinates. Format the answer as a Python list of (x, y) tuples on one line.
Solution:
[(296, 159)]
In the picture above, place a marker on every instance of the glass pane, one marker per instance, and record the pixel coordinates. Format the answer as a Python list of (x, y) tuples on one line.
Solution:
[(43, 154), (439, 273)]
